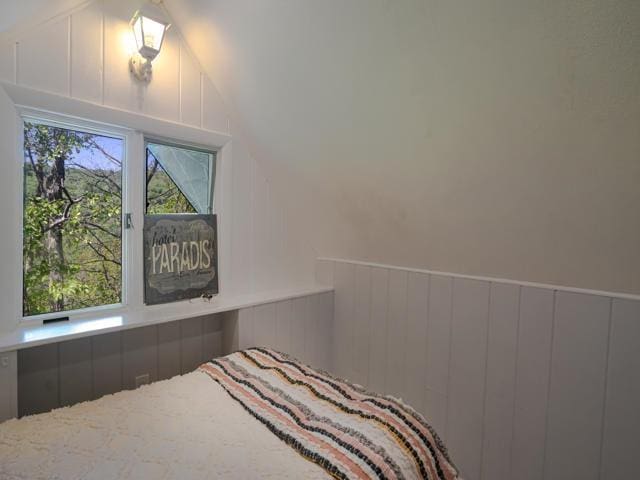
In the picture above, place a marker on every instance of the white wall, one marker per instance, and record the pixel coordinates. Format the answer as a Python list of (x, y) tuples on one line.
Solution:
[(84, 55), (487, 137), (520, 381)]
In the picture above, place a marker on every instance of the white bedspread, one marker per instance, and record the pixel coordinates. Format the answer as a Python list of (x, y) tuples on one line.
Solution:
[(184, 428)]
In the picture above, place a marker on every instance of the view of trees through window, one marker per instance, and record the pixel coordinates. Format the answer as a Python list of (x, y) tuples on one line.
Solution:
[(163, 195), (72, 235), (72, 217)]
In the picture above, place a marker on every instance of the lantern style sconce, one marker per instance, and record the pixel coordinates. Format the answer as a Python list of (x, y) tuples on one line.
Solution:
[(149, 25)]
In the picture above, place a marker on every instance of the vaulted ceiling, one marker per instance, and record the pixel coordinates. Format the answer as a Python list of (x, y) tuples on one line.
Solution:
[(494, 137)]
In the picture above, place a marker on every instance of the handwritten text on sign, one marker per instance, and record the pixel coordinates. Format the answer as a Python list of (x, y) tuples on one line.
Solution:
[(180, 257)]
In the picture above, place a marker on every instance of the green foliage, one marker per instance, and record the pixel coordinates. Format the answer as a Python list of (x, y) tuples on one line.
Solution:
[(71, 227), (163, 196), (72, 218)]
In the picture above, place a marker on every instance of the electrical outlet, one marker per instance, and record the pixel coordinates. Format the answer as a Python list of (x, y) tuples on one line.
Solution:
[(4, 361), (142, 380)]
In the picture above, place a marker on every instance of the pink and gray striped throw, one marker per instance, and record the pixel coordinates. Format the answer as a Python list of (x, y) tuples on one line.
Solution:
[(350, 433)]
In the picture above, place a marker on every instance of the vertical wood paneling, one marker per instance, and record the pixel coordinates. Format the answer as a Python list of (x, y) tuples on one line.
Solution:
[(264, 317), (76, 372), (86, 53), (415, 388), (344, 280), (139, 355), (214, 115), (246, 338), (43, 58), (469, 326), (577, 387), (9, 382), (397, 332), (435, 412), (211, 337), (191, 345), (169, 354), (362, 326), (622, 404), (500, 383), (326, 331), (324, 272), (311, 330), (378, 332), (488, 369), (284, 314), (38, 379), (107, 363), (120, 90), (439, 335), (190, 100), (162, 94), (532, 383), (300, 309)]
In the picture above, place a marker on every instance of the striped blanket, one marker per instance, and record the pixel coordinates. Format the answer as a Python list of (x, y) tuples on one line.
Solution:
[(347, 431)]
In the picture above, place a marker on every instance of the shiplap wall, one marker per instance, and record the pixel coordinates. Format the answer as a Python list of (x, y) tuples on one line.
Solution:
[(9, 390), (521, 382), (301, 327), (65, 373), (84, 55)]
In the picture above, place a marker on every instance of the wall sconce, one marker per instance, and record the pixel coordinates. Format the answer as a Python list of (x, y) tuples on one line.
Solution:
[(149, 25)]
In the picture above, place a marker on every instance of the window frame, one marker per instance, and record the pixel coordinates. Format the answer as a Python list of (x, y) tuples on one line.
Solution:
[(188, 146), (85, 126)]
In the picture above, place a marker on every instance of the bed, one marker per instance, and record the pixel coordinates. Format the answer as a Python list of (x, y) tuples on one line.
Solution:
[(255, 413)]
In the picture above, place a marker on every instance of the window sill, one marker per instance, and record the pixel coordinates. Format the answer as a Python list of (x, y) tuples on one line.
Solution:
[(105, 321)]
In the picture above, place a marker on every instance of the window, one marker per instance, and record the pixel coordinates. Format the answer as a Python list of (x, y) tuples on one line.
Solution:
[(178, 179), (72, 227)]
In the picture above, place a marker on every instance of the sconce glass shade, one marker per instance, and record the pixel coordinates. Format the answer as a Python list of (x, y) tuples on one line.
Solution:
[(149, 28)]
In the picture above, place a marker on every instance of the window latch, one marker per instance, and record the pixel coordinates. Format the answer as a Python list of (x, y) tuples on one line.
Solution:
[(128, 222)]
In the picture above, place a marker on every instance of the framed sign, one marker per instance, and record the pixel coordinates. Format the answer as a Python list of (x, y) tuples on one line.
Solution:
[(180, 257)]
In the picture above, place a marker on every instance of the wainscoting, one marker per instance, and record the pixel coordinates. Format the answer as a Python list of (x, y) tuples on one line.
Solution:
[(522, 382), (65, 373), (301, 327), (68, 372)]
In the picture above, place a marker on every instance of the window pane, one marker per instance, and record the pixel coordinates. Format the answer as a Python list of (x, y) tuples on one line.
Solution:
[(179, 180), (72, 234)]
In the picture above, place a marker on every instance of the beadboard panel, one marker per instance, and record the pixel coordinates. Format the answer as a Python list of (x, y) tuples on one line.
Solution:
[(577, 387), (8, 380), (467, 373), (521, 381), (302, 324), (500, 380), (622, 411), (65, 373)]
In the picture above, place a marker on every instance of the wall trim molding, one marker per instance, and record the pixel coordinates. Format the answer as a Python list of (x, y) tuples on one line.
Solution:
[(111, 116), (506, 281)]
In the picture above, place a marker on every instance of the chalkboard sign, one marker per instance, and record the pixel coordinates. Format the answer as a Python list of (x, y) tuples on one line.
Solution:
[(180, 257)]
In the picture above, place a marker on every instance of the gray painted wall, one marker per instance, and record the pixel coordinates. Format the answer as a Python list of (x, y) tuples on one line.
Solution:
[(65, 373), (520, 382)]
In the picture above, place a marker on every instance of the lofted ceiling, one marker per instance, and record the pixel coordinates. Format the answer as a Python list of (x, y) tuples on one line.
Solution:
[(487, 137), (492, 137)]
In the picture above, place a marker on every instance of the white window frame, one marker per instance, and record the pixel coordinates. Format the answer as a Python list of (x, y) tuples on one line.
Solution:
[(128, 272)]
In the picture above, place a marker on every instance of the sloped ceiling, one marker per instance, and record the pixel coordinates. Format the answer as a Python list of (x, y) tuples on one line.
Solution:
[(24, 14), (492, 137)]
